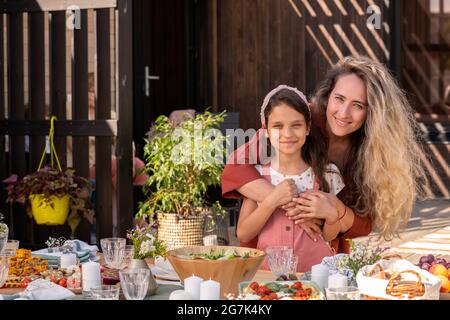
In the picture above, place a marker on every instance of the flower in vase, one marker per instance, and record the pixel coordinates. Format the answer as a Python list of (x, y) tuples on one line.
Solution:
[(145, 243)]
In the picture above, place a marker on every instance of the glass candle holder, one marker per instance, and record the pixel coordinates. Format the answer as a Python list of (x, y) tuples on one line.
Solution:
[(346, 293), (105, 292)]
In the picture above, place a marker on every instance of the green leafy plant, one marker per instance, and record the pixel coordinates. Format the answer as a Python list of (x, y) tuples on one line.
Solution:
[(49, 182), (182, 162), (145, 243)]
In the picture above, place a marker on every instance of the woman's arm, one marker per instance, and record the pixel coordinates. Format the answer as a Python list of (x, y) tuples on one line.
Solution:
[(351, 225), (235, 176)]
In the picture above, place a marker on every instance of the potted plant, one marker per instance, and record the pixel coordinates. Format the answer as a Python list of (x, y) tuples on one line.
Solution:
[(182, 162), (53, 196), (145, 245)]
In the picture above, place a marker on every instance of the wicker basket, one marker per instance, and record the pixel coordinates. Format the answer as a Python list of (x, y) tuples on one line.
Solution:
[(177, 232), (401, 289), (396, 286)]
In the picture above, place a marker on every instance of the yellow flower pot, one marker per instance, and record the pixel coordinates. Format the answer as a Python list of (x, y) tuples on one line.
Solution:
[(49, 212)]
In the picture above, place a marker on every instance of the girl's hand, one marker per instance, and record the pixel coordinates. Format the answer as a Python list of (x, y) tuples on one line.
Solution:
[(283, 193), (316, 204)]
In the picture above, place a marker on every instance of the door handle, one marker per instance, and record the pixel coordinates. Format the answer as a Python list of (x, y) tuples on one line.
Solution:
[(148, 78)]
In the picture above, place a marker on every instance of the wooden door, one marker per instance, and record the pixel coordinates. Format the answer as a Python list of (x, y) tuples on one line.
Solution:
[(163, 61)]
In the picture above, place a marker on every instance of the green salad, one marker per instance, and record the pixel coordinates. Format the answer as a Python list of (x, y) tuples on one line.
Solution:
[(217, 255)]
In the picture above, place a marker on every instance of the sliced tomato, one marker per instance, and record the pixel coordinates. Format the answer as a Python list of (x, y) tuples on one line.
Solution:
[(63, 282), (254, 286)]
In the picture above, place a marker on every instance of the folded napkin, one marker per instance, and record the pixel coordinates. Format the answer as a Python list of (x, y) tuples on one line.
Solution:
[(84, 252), (164, 265), (41, 289)]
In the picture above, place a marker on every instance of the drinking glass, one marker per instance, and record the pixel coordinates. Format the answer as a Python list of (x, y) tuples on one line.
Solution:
[(134, 283), (12, 244), (4, 267), (105, 292), (349, 293), (128, 253), (293, 265), (279, 258), (113, 251), (3, 240)]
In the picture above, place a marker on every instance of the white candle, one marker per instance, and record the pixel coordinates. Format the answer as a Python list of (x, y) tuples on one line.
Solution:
[(90, 275), (319, 274), (180, 295), (337, 281), (67, 260), (210, 240), (210, 290), (192, 286)]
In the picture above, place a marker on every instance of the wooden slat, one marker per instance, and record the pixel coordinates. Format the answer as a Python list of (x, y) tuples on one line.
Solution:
[(103, 205), (36, 65), (125, 105), (22, 224), (52, 5), (76, 128), (80, 106), (4, 208), (58, 78), (36, 84)]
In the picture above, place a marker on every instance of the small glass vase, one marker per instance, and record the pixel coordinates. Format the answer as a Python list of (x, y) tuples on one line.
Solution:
[(54, 249), (142, 264)]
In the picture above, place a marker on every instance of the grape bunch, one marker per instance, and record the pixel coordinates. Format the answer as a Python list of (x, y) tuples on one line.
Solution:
[(426, 262)]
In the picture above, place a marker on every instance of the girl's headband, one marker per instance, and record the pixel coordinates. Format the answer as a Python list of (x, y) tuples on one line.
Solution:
[(273, 92)]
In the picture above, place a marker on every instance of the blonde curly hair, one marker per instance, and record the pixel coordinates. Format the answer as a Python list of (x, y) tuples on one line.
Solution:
[(383, 171)]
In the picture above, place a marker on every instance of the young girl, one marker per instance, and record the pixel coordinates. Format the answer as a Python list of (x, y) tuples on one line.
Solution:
[(299, 163)]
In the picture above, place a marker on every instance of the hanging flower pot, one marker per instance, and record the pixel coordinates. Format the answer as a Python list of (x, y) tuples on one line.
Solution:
[(49, 211), (50, 192)]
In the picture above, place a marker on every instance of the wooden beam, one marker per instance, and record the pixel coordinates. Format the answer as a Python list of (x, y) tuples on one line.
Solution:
[(103, 174), (36, 82), (215, 56), (125, 104), (58, 76), (7, 6), (23, 228), (77, 128)]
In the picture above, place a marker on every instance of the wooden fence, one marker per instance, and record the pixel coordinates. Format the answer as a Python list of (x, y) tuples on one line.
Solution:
[(16, 122), (249, 47)]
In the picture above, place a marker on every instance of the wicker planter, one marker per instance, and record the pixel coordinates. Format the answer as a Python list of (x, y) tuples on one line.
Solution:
[(177, 232)]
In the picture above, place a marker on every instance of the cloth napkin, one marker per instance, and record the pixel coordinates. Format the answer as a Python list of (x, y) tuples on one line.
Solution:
[(84, 252), (41, 289)]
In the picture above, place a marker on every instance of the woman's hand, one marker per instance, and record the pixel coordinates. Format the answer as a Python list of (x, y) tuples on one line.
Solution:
[(315, 204), (283, 193), (312, 228)]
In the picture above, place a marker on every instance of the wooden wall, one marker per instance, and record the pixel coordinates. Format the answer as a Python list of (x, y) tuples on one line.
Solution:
[(264, 43)]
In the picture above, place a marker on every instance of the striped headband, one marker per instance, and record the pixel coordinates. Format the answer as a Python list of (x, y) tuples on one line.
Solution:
[(276, 90)]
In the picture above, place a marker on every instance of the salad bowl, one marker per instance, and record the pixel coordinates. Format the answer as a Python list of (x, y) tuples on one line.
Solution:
[(227, 265)]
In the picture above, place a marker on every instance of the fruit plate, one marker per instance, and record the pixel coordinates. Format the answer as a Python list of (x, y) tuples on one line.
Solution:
[(317, 294)]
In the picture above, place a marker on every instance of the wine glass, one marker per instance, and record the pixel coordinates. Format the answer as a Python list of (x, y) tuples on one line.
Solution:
[(279, 258), (113, 251)]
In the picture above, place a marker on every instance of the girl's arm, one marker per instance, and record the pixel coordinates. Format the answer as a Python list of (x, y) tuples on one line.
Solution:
[(252, 217)]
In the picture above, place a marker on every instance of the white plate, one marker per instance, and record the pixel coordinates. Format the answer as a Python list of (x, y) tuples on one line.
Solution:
[(162, 274)]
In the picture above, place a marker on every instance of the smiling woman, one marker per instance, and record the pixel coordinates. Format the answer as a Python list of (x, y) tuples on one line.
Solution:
[(369, 129)]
